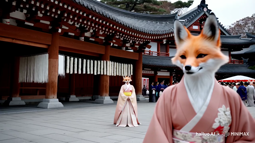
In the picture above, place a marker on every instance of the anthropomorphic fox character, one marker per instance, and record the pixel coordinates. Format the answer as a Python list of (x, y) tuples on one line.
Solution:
[(126, 110), (199, 57), (198, 105)]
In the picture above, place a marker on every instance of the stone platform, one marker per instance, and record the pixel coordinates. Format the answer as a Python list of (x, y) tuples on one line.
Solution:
[(79, 122)]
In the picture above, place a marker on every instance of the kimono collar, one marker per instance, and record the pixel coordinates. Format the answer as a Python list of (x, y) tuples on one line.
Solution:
[(127, 85)]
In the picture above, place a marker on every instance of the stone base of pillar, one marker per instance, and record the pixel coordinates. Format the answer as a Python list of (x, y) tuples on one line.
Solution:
[(50, 103), (140, 97), (16, 101), (73, 98), (104, 100), (95, 97)]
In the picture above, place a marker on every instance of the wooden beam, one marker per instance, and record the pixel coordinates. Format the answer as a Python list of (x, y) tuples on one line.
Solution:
[(123, 54), (24, 34), (78, 51), (81, 45), (10, 40)]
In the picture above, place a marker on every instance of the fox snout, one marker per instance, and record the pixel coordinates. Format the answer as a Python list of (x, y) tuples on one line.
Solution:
[(188, 69)]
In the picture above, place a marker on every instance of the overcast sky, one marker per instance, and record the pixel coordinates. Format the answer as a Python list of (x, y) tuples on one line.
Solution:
[(228, 11)]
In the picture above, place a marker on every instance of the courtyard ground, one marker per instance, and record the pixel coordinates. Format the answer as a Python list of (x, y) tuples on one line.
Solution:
[(80, 122)]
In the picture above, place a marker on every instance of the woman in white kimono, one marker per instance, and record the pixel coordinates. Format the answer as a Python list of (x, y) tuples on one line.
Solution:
[(126, 109)]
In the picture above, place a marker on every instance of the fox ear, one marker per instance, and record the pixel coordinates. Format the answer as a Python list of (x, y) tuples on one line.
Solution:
[(180, 33), (211, 30)]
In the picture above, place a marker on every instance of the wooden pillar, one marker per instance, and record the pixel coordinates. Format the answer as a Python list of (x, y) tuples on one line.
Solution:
[(51, 100), (155, 76), (15, 80), (138, 74), (229, 55), (72, 84), (15, 86), (104, 97), (104, 79), (167, 49), (171, 78), (53, 51), (158, 48)]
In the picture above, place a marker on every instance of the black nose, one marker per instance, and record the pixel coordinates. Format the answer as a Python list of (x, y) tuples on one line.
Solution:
[(188, 67)]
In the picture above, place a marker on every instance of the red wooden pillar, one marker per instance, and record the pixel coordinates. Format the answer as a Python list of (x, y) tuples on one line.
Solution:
[(104, 80), (51, 100), (155, 76), (53, 51), (15, 86), (158, 48), (167, 49), (171, 78), (104, 97), (138, 77)]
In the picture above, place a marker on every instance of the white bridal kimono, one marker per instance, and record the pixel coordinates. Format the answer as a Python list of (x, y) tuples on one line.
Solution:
[(223, 114), (126, 109)]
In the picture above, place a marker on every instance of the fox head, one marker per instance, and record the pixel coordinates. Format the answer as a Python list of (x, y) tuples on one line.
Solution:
[(198, 54), (127, 79)]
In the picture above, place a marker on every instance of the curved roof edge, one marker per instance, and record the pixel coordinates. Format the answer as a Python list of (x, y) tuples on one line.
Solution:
[(165, 62), (141, 15), (146, 23), (249, 35)]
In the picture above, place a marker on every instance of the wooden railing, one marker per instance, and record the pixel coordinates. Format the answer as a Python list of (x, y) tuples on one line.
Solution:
[(235, 62), (154, 53)]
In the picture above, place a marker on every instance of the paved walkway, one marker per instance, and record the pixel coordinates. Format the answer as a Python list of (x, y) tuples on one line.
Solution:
[(81, 122)]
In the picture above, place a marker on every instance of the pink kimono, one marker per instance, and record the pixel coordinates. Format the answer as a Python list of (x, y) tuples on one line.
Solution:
[(223, 114), (126, 109)]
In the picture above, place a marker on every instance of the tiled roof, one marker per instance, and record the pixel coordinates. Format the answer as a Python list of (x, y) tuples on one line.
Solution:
[(190, 17), (152, 24), (236, 42), (235, 69), (165, 62), (249, 35), (248, 51), (157, 61)]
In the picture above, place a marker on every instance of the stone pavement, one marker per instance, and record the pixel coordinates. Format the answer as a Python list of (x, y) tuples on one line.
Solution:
[(80, 122)]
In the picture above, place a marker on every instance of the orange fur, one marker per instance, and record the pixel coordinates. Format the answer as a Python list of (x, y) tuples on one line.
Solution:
[(192, 46), (127, 79)]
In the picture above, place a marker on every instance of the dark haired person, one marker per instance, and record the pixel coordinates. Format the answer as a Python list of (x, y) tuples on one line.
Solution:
[(160, 89), (234, 86), (152, 97), (243, 93)]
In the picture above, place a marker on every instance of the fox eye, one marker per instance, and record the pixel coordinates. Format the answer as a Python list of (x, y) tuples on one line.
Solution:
[(183, 57), (201, 56)]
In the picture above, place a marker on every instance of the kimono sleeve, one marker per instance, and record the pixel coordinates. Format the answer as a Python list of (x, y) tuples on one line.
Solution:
[(160, 128), (242, 121)]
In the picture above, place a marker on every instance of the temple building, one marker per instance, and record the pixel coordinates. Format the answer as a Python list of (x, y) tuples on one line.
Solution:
[(157, 65), (71, 50)]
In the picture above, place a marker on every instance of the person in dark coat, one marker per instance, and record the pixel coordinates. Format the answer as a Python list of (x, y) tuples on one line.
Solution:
[(243, 93), (160, 87), (156, 94), (152, 97)]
